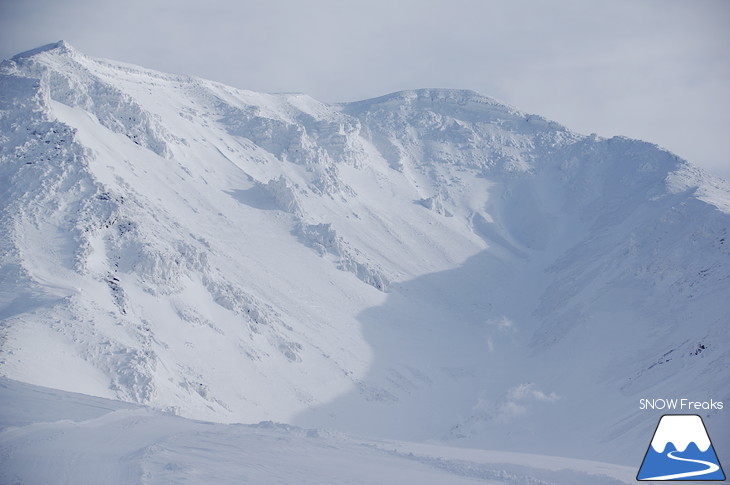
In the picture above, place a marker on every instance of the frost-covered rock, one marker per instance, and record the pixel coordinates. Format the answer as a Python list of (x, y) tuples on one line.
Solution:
[(69, 78), (324, 239), (284, 195), (436, 204)]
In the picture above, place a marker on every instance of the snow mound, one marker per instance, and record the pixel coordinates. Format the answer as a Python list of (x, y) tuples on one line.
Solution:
[(86, 440)]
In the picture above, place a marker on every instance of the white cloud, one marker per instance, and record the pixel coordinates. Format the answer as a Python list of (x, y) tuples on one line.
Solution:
[(516, 402), (528, 392)]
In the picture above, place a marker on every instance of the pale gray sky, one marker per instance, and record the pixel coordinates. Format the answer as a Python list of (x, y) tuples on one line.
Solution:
[(657, 70)]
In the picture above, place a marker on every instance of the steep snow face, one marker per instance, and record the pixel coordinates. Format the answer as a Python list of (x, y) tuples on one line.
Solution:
[(426, 265)]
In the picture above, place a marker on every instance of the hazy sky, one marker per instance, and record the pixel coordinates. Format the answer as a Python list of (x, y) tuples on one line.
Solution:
[(657, 70)]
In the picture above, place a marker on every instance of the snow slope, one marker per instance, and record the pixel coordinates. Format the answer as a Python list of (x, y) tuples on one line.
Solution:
[(428, 265), (87, 440)]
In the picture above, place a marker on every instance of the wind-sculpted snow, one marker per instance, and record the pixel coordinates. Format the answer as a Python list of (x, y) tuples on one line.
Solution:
[(430, 264), (68, 80), (85, 440), (323, 239), (462, 128)]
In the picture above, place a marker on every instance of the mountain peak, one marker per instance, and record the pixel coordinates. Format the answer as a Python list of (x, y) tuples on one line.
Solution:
[(60, 47), (431, 96)]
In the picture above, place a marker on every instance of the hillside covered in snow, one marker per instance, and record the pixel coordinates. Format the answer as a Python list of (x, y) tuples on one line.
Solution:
[(430, 265), (86, 440)]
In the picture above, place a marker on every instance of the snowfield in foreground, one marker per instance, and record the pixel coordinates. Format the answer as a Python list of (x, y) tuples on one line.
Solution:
[(49, 436)]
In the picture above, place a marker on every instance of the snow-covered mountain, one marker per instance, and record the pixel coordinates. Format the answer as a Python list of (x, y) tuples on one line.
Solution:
[(428, 265)]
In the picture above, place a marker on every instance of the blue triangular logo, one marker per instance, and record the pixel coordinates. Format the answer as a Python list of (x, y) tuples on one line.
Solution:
[(681, 450)]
